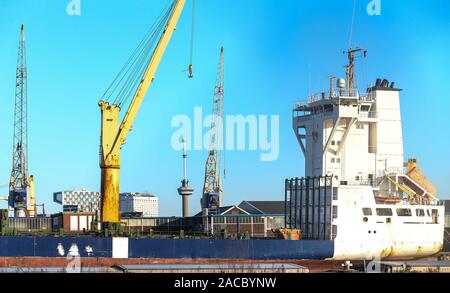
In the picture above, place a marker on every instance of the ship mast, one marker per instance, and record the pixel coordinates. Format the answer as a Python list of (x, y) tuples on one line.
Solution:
[(350, 67)]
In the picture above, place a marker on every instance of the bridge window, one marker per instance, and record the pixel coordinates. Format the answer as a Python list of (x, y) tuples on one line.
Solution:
[(365, 108), (404, 212), (367, 211), (335, 193), (384, 212), (420, 213), (334, 231), (335, 212)]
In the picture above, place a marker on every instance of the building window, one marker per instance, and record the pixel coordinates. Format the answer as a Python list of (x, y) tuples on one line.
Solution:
[(332, 160), (338, 160), (367, 211), (359, 126), (333, 142), (357, 178)]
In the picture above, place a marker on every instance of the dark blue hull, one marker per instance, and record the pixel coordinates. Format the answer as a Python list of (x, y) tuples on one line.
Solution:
[(165, 248)]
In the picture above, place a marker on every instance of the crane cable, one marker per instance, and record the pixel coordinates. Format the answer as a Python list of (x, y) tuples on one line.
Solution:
[(138, 71), (191, 74), (141, 63), (129, 77)]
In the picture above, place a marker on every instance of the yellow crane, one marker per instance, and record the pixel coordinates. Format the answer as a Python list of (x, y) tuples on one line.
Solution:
[(113, 134)]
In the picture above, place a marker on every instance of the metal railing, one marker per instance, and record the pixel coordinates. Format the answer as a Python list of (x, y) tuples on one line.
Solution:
[(298, 105), (335, 94)]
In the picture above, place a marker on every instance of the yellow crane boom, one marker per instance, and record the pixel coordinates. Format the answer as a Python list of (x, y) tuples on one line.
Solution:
[(113, 135)]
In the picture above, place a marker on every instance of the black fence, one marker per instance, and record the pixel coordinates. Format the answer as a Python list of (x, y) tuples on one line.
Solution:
[(308, 206)]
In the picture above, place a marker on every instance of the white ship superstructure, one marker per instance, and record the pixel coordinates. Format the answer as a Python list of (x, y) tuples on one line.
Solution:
[(358, 190)]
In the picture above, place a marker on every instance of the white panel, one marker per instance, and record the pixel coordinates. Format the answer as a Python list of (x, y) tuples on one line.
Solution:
[(74, 223), (120, 247), (83, 222)]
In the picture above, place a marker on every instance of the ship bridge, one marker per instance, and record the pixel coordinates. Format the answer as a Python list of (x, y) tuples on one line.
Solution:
[(341, 103), (353, 136)]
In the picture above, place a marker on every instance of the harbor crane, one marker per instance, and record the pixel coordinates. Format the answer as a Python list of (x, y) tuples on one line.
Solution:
[(21, 186), (136, 76), (212, 188)]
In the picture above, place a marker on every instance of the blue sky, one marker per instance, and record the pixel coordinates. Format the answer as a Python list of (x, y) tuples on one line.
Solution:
[(269, 46)]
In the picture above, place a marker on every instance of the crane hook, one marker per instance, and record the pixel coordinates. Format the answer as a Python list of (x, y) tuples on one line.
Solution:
[(191, 75)]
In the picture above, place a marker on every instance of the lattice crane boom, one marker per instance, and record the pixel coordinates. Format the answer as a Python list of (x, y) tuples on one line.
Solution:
[(212, 188), (20, 196)]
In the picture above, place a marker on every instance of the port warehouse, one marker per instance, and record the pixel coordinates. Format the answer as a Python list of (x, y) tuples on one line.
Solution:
[(253, 219)]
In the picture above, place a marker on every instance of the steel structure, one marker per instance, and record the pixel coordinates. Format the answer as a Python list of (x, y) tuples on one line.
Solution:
[(212, 188), (308, 206), (19, 186)]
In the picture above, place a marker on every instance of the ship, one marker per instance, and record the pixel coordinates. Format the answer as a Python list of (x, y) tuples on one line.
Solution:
[(358, 198), (358, 191)]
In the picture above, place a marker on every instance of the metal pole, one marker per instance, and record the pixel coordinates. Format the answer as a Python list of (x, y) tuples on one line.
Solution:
[(313, 203), (307, 207), (295, 203), (318, 208), (285, 203), (301, 203), (325, 224)]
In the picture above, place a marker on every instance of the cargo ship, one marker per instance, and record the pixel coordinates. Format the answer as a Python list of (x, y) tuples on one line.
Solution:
[(358, 199), (358, 191)]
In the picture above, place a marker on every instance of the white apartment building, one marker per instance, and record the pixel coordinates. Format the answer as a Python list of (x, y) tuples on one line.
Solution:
[(144, 203)]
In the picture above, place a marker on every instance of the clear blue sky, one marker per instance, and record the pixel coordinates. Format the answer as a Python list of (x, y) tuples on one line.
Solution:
[(269, 46)]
